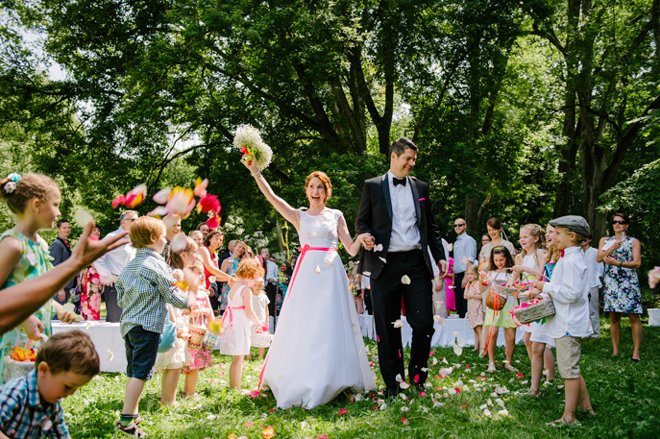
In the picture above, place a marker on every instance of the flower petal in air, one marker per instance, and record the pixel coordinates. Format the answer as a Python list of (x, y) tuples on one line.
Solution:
[(82, 217), (405, 279), (397, 323), (317, 270)]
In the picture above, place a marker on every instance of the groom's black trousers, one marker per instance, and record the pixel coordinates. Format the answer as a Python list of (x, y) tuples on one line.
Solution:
[(386, 294)]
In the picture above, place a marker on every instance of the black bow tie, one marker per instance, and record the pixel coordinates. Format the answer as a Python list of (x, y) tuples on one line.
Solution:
[(398, 181)]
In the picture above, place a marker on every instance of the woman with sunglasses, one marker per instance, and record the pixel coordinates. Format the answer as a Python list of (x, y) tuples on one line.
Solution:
[(622, 256)]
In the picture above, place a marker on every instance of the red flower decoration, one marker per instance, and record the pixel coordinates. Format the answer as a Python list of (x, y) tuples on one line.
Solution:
[(342, 411)]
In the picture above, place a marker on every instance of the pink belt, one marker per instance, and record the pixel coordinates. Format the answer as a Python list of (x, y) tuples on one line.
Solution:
[(229, 315)]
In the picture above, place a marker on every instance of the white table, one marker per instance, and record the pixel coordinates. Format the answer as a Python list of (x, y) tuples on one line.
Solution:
[(444, 332), (107, 340)]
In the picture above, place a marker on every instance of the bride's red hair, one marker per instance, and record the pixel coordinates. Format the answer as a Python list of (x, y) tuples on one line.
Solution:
[(325, 180)]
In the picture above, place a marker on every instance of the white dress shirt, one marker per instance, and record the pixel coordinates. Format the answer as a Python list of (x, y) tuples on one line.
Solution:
[(271, 271), (465, 250), (405, 234), (569, 292), (594, 268), (110, 265)]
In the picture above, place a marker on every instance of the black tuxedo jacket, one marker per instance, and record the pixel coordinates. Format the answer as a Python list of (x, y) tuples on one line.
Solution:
[(375, 217)]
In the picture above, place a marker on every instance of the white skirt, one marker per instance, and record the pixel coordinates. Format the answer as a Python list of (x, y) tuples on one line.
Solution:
[(317, 351)]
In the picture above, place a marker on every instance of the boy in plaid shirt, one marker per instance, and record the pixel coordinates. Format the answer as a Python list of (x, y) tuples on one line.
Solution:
[(30, 406), (144, 287)]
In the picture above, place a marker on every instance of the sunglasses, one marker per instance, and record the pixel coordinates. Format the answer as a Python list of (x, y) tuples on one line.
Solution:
[(459, 225), (618, 222)]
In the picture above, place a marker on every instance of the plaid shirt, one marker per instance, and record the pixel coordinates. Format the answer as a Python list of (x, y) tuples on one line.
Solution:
[(143, 288), (22, 415)]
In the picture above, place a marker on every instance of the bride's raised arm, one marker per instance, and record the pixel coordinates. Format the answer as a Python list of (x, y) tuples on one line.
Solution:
[(352, 247), (289, 213)]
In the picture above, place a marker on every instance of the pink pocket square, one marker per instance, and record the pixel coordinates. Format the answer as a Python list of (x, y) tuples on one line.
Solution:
[(422, 199)]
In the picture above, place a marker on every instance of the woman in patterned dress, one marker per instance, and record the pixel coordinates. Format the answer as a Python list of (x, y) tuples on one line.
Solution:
[(622, 256)]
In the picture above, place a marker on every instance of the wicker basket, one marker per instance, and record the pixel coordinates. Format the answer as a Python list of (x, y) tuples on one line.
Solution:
[(261, 339), (16, 369), (536, 311), (197, 330), (498, 295)]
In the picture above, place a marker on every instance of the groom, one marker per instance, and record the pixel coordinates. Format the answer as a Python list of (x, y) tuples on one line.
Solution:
[(395, 212)]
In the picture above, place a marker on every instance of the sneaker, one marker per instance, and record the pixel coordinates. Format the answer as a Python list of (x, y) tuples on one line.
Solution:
[(491, 368), (131, 430)]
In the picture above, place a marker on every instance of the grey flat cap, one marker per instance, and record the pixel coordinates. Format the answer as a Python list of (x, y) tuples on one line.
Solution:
[(574, 223)]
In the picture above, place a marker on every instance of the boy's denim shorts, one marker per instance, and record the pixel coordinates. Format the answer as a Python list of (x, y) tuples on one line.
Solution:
[(141, 351)]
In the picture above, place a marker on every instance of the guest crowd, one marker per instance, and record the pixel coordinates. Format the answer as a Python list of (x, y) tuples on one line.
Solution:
[(172, 292)]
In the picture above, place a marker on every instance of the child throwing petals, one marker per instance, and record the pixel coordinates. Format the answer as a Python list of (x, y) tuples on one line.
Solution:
[(499, 274), (529, 267), (239, 318), (34, 199)]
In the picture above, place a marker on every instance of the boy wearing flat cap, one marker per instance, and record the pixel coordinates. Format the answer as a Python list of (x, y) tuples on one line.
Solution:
[(568, 290)]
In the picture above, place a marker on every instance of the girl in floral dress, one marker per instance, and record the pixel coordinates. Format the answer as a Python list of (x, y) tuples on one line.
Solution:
[(34, 199)]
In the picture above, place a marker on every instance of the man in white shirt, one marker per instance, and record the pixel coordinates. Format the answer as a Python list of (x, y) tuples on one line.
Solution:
[(396, 218), (465, 253), (270, 280), (594, 274), (111, 265)]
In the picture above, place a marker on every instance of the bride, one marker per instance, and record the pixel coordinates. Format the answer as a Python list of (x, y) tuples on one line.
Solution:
[(317, 351)]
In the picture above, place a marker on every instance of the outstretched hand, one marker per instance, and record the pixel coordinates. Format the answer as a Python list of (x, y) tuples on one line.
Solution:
[(88, 250)]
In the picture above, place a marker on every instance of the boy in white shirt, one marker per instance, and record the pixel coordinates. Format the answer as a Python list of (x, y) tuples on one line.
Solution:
[(568, 290)]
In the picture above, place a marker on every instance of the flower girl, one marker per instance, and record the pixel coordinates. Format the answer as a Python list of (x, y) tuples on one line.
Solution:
[(238, 318)]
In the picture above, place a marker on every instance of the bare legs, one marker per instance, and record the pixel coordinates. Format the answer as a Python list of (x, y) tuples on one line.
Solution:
[(509, 347), (636, 324), (528, 344), (133, 392), (575, 391), (615, 333), (477, 339), (236, 372), (190, 385), (170, 384)]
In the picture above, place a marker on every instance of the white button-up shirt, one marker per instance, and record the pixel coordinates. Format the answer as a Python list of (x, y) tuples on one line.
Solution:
[(405, 234), (271, 272), (568, 289), (594, 268), (465, 250), (110, 265)]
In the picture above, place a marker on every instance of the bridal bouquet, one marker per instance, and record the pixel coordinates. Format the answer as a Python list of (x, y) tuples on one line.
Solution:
[(247, 140)]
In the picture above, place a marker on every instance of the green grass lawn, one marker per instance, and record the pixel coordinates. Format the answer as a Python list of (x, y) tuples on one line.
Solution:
[(626, 397)]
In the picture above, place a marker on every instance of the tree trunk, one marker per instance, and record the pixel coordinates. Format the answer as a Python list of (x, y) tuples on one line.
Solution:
[(568, 151)]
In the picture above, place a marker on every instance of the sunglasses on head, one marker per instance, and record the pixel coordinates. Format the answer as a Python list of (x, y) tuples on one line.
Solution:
[(459, 225), (620, 222)]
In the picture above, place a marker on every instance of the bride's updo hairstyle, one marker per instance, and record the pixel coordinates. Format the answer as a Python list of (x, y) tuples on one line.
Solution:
[(325, 180)]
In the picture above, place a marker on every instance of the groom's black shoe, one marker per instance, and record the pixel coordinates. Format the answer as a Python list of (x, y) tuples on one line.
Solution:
[(392, 391)]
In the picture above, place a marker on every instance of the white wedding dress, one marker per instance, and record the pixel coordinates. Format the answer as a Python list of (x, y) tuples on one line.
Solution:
[(317, 351)]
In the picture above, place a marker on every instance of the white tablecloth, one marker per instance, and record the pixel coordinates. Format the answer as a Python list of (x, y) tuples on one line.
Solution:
[(107, 340), (444, 332)]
